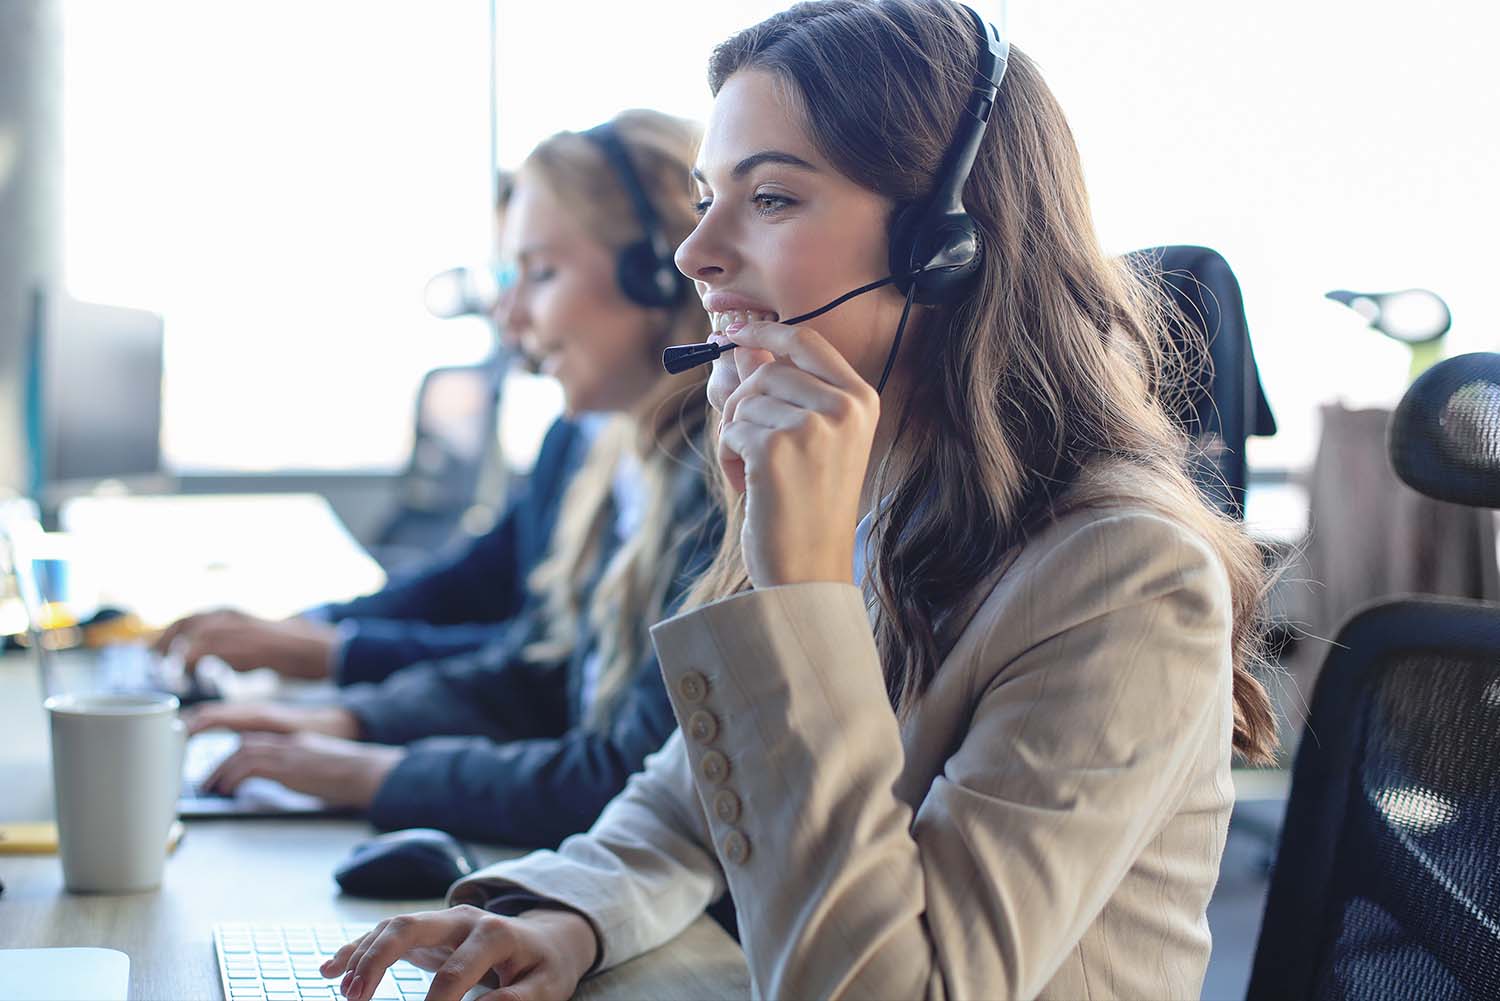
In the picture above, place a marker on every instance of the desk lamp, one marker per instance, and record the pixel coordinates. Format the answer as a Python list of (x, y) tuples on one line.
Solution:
[(1416, 317)]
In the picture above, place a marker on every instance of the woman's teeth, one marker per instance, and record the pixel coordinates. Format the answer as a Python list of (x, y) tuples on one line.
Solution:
[(736, 318)]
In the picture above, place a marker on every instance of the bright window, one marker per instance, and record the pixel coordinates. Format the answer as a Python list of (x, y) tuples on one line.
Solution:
[(1316, 146), (279, 179)]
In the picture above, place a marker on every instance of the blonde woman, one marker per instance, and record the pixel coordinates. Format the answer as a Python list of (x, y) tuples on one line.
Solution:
[(959, 695), (525, 741)]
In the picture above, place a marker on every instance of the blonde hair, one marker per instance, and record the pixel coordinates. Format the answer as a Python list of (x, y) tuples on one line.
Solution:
[(661, 430), (1047, 390)]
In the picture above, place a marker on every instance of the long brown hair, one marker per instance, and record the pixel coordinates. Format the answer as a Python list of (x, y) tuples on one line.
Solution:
[(661, 432), (1047, 390)]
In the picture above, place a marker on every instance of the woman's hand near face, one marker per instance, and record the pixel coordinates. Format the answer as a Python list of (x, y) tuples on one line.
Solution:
[(795, 437), (540, 955)]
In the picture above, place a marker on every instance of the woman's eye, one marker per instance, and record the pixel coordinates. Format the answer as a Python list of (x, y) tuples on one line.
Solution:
[(538, 275), (700, 208), (768, 204)]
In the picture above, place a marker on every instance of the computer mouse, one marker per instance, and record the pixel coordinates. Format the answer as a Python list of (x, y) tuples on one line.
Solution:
[(195, 689), (412, 864)]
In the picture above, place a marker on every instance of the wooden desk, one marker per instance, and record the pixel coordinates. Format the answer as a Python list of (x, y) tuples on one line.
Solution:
[(247, 870)]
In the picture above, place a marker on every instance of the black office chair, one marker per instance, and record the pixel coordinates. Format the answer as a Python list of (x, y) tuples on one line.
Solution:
[(1230, 406), (1387, 882), (456, 411)]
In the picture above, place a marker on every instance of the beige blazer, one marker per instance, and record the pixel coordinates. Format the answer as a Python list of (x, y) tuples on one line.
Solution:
[(1049, 822)]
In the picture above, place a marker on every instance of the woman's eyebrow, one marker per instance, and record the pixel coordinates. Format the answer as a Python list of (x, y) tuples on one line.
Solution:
[(754, 160)]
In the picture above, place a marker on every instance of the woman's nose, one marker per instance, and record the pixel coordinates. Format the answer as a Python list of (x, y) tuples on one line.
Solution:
[(704, 256), (510, 318)]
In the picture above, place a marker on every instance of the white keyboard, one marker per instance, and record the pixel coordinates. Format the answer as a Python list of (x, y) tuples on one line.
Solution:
[(279, 962)]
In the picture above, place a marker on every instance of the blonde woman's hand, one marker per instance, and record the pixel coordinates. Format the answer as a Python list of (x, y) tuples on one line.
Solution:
[(295, 647), (795, 437), (339, 772), (537, 956)]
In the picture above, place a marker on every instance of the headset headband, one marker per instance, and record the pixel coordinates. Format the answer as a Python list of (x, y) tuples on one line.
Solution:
[(645, 270), (608, 140), (994, 55)]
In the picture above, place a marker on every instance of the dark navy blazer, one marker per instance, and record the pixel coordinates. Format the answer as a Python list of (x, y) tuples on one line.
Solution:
[(459, 604), (497, 745)]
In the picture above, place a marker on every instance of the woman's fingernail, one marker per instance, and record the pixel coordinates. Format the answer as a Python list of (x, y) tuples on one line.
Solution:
[(344, 984), (356, 989)]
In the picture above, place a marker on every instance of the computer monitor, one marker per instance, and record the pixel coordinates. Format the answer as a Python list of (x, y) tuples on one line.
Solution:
[(93, 400)]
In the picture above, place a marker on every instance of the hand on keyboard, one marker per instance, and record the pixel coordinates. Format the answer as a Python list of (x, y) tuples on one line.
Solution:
[(280, 963), (295, 647), (274, 717), (540, 955), (339, 772)]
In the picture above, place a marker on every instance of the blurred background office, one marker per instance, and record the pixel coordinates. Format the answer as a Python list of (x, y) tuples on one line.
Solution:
[(260, 192), (278, 181)]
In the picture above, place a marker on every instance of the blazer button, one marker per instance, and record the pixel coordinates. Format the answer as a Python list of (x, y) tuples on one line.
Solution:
[(736, 848), (693, 687), (703, 727), (714, 766), (727, 806)]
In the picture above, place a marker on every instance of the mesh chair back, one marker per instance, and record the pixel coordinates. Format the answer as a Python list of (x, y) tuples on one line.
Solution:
[(1225, 403), (1444, 436), (1387, 882)]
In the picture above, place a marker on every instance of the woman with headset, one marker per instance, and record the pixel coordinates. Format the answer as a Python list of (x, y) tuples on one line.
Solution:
[(525, 740), (959, 695)]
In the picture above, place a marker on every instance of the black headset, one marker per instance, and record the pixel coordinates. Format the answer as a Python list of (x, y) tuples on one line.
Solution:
[(936, 248), (644, 270)]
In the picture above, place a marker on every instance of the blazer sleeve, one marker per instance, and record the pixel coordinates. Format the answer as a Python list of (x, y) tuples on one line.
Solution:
[(641, 875), (1095, 690), (372, 650), (493, 693), (504, 785), (455, 604), (508, 788)]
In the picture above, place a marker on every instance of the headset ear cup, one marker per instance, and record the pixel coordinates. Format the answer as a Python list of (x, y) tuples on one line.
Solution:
[(955, 250), (640, 276), (948, 244), (903, 227)]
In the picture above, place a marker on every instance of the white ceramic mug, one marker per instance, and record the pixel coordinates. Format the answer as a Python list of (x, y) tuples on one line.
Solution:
[(116, 775)]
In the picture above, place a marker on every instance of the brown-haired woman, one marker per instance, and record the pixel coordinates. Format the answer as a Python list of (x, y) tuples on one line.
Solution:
[(1001, 768)]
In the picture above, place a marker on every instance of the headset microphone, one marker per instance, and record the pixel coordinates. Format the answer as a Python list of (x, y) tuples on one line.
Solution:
[(681, 357)]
